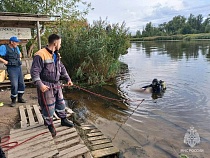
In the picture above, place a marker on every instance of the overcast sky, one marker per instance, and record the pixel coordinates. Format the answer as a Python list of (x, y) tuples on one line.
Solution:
[(136, 13)]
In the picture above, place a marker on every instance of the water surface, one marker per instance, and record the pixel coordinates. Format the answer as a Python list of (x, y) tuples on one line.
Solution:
[(157, 127)]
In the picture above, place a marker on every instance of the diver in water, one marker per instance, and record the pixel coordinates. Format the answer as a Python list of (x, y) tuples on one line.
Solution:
[(157, 88)]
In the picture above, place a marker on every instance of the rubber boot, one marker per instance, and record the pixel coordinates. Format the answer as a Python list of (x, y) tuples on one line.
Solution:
[(52, 130), (66, 122), (20, 98), (2, 154), (13, 103)]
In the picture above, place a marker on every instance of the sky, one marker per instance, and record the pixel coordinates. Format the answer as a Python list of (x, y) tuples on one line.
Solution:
[(137, 13)]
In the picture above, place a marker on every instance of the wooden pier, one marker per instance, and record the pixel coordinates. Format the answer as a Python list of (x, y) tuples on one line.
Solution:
[(36, 141)]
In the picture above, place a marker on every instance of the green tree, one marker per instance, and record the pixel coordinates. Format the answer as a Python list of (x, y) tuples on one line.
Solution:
[(138, 34), (65, 8)]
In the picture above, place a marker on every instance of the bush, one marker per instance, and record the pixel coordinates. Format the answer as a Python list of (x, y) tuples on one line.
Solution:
[(91, 53)]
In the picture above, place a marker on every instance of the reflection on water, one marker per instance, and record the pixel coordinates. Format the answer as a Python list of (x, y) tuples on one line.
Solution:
[(160, 124)]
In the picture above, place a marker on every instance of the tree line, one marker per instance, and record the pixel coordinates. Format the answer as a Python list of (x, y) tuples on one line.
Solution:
[(178, 25)]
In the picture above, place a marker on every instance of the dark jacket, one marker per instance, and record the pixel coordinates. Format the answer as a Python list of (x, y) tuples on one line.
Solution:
[(45, 69), (12, 56)]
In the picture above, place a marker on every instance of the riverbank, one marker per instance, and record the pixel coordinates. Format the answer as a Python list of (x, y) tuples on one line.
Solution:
[(187, 37)]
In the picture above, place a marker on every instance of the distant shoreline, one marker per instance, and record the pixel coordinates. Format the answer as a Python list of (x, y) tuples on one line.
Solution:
[(187, 37)]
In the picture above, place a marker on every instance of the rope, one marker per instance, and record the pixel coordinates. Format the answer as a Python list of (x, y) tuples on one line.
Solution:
[(48, 111), (8, 146), (104, 97), (127, 119)]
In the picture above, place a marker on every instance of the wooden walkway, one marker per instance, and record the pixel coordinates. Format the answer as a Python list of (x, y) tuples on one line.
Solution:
[(66, 144), (97, 142)]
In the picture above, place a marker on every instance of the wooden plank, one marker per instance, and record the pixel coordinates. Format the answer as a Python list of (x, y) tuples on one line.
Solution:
[(94, 134), (96, 142), (77, 152), (62, 138), (12, 131), (25, 132), (38, 114), (40, 139), (96, 138), (88, 125), (87, 128), (40, 153), (94, 131), (25, 136), (88, 155), (30, 115), (77, 147), (104, 152), (23, 121), (50, 154), (67, 131), (18, 18), (33, 149), (68, 143), (101, 146)]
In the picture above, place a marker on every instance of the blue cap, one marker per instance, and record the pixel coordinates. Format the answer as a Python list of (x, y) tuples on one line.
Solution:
[(14, 39)]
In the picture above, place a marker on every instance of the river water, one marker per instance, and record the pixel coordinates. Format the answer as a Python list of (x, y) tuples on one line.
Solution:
[(158, 126)]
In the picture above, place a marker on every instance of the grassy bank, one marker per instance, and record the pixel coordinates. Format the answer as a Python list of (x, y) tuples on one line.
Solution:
[(188, 37)]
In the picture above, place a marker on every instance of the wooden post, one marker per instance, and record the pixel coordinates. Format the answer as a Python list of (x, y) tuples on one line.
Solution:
[(38, 36), (24, 51)]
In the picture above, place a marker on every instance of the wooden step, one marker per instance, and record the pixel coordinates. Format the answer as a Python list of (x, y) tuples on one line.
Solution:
[(98, 143)]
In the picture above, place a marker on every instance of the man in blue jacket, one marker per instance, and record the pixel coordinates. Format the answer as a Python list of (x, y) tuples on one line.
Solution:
[(10, 55)]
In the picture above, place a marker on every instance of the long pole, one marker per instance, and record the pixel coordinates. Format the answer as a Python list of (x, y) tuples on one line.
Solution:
[(38, 36)]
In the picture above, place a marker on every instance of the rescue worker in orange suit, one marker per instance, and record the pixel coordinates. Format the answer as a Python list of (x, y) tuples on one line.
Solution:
[(46, 70)]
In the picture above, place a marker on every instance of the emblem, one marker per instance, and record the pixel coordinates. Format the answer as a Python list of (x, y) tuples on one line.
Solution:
[(191, 137)]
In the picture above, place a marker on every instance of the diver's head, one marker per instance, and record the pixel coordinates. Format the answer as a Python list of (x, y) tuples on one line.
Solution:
[(154, 82)]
